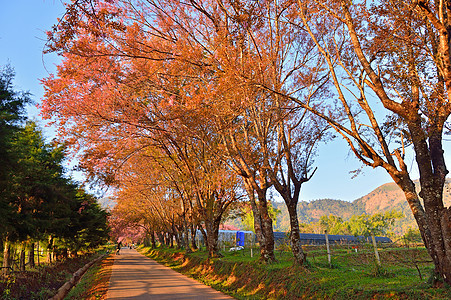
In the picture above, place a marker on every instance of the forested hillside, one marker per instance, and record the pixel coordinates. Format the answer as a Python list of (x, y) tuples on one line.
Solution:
[(384, 198)]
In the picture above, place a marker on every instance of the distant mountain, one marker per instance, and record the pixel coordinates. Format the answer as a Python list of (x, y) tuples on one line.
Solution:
[(382, 199), (389, 196), (309, 212), (107, 203)]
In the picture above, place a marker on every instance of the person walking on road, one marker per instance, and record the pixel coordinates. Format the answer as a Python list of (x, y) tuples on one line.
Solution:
[(119, 246)]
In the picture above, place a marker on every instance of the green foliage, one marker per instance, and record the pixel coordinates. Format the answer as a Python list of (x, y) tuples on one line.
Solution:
[(12, 103), (358, 225), (92, 228), (8, 283), (43, 293), (247, 216), (376, 224), (380, 271), (333, 225), (34, 184), (12, 113), (412, 236), (37, 201)]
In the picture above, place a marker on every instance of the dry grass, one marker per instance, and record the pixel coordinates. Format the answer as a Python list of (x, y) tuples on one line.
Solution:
[(352, 276), (100, 284), (94, 284)]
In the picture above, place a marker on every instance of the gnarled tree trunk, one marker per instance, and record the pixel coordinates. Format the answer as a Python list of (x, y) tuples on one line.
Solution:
[(262, 222), (267, 248), (212, 230), (295, 238), (434, 222)]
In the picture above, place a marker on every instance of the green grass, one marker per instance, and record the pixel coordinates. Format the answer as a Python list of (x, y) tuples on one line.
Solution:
[(351, 275), (84, 284), (94, 283)]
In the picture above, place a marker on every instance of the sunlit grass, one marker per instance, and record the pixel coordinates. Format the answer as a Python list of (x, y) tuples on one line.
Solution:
[(94, 283), (351, 275)]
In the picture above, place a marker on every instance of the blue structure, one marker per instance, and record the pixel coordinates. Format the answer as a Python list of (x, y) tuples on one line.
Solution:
[(240, 238), (320, 239)]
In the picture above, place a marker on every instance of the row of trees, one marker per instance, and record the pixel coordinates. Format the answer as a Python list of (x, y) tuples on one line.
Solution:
[(37, 202), (378, 224), (242, 91), (368, 226), (193, 139)]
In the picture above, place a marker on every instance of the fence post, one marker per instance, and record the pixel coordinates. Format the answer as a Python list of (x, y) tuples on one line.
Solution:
[(328, 248), (376, 253), (252, 244)]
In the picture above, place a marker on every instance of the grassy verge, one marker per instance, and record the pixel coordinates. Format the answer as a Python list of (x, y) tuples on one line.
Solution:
[(94, 283), (43, 281), (350, 276)]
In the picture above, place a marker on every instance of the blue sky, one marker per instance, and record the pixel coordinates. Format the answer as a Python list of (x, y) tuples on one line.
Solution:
[(23, 24), (22, 37)]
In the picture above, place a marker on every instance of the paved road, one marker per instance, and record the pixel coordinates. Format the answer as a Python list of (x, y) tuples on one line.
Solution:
[(135, 276)]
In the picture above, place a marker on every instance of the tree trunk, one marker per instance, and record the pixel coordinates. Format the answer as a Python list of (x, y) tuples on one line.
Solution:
[(50, 250), (445, 222), (296, 248), (65, 253), (262, 222), (193, 237), (267, 249), (152, 239), (166, 239), (212, 229), (204, 235), (147, 241), (186, 235), (22, 258), (12, 256), (171, 240), (178, 238), (439, 247), (161, 237), (185, 228), (434, 221), (31, 256), (39, 253), (255, 211), (6, 257)]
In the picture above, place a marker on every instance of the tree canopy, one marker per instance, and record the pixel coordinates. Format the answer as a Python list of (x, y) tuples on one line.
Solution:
[(257, 84), (37, 201)]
